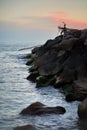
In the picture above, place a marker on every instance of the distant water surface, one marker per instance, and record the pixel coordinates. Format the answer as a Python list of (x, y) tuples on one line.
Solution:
[(16, 93)]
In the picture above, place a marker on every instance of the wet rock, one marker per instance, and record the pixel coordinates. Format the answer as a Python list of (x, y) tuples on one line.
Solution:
[(82, 109), (33, 76), (38, 108), (26, 127), (29, 62), (43, 81)]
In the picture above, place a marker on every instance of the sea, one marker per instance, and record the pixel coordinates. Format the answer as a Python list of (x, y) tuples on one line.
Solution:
[(16, 93)]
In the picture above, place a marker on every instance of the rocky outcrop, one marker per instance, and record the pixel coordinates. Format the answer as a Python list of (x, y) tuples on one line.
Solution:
[(38, 108), (61, 62), (26, 127)]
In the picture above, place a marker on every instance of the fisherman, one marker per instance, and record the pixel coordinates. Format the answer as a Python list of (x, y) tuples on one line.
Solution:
[(63, 29)]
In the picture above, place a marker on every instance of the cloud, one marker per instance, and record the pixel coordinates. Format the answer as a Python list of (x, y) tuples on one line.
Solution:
[(59, 17), (34, 22)]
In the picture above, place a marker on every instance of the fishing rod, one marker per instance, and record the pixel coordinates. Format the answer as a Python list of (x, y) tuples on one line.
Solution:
[(29, 48)]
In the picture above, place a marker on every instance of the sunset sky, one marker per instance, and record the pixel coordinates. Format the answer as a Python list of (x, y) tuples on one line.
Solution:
[(38, 19)]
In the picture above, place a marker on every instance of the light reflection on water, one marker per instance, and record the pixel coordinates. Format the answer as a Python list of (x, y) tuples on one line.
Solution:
[(16, 93)]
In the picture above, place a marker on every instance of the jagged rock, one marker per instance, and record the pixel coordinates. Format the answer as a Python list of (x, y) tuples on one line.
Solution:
[(29, 62), (82, 109), (67, 44), (64, 59), (33, 76), (38, 108), (26, 127), (54, 66), (43, 81)]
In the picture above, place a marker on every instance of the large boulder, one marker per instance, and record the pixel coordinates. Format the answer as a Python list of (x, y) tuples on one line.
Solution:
[(26, 127), (67, 44), (53, 64), (82, 109), (38, 108)]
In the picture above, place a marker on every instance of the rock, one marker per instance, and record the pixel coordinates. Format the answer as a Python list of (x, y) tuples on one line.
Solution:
[(82, 124), (67, 44), (82, 109), (43, 81), (66, 76), (29, 62), (33, 76), (54, 66), (38, 108), (83, 34), (26, 127), (80, 89), (85, 43), (75, 33)]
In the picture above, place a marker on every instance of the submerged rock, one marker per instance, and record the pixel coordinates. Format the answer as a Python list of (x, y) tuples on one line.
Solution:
[(38, 108), (26, 127)]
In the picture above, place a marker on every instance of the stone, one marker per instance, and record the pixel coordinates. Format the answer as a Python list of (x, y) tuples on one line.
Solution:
[(33, 76), (38, 108), (26, 127), (67, 44), (44, 81), (83, 34), (82, 109), (80, 89)]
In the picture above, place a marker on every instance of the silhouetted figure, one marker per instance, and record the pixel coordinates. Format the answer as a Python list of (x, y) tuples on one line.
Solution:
[(63, 29)]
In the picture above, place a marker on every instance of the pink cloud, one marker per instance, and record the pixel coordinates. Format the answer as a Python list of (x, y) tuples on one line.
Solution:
[(59, 17)]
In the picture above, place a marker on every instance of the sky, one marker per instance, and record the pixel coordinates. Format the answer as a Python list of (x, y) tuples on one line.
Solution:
[(37, 20)]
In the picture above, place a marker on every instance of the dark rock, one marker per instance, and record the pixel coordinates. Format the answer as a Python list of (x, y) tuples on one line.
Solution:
[(67, 44), (61, 61), (83, 34), (38, 108), (33, 69), (53, 64), (28, 56), (80, 89), (82, 124), (82, 109), (29, 62), (26, 127), (33, 76), (43, 81)]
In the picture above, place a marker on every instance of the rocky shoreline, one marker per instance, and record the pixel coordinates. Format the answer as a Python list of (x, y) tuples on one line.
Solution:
[(62, 63)]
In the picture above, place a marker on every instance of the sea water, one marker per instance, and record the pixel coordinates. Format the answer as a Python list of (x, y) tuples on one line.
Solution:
[(16, 93)]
